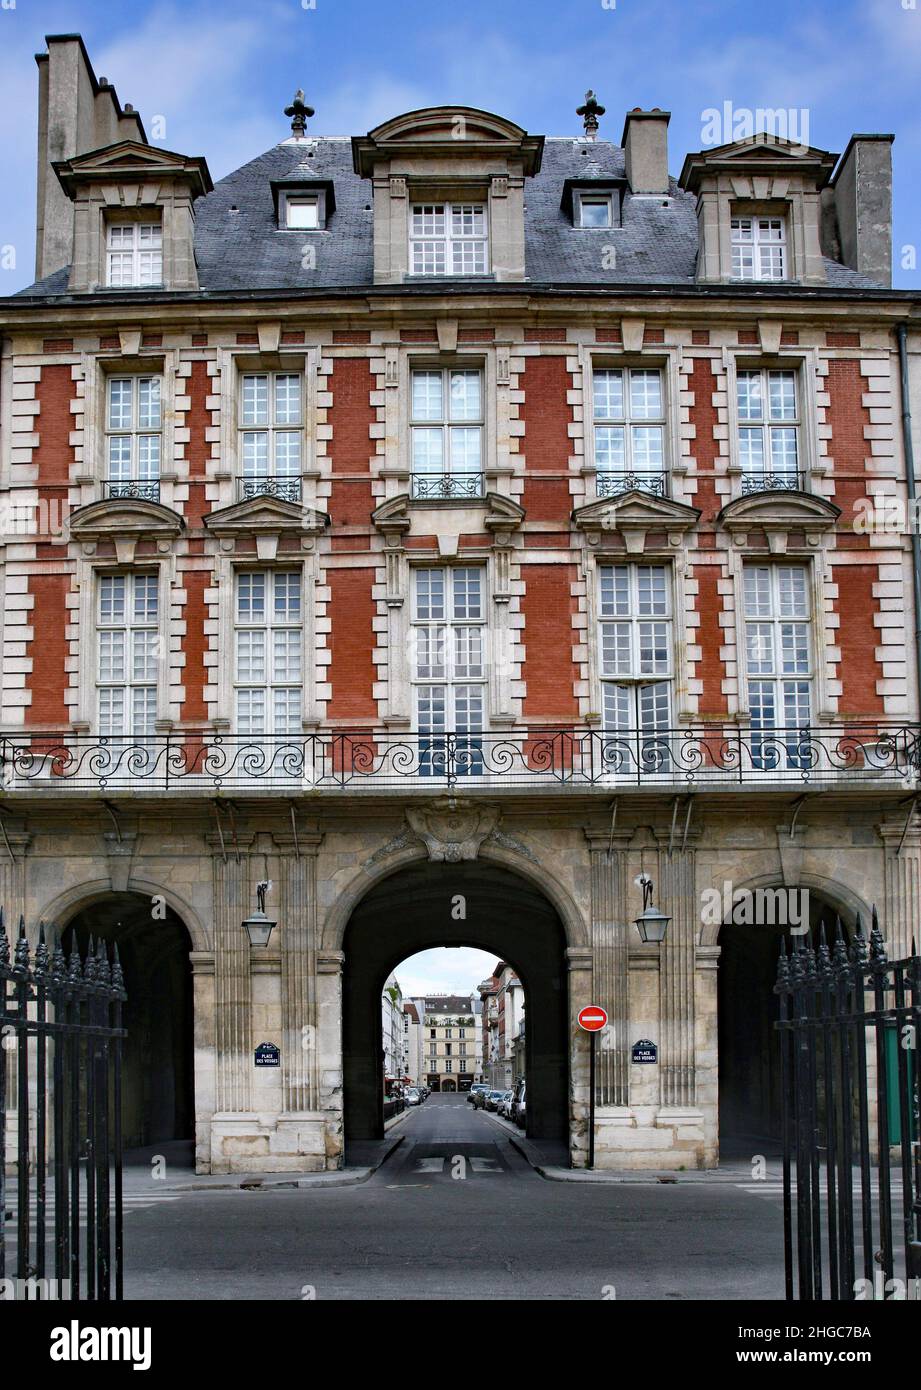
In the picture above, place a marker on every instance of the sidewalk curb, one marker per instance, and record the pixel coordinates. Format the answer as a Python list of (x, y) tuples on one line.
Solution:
[(252, 1182)]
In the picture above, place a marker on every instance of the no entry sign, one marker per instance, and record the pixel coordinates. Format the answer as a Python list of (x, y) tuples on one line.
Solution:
[(593, 1018)]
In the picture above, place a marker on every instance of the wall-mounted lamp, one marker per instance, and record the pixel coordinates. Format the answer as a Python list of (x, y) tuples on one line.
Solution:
[(257, 926), (651, 923)]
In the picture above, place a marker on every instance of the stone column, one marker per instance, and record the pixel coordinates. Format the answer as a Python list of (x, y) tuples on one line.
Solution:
[(900, 913), (675, 892), (13, 882), (611, 973), (298, 862)]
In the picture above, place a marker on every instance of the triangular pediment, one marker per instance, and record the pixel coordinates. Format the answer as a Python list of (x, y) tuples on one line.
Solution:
[(129, 160), (266, 514), (635, 510), (779, 510), (760, 153), (124, 516)]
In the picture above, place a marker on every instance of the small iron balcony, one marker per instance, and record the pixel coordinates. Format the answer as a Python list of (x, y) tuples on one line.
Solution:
[(447, 487), (610, 483), (143, 489), (770, 480), (265, 485)]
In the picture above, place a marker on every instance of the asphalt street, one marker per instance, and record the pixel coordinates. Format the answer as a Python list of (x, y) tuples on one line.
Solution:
[(456, 1213)]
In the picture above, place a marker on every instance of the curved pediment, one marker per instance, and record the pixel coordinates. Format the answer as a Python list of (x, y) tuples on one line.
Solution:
[(434, 130), (265, 514), (124, 516), (779, 510)]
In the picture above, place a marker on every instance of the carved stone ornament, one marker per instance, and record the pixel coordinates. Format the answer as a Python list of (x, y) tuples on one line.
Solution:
[(452, 832)]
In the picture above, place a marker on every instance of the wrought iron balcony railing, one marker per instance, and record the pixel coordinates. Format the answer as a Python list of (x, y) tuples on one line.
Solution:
[(440, 487), (567, 759), (144, 489), (288, 489), (612, 483), (769, 480)]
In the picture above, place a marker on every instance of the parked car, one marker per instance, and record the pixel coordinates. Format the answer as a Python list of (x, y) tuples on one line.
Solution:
[(521, 1107), (492, 1099), (477, 1094), (504, 1106), (412, 1096)]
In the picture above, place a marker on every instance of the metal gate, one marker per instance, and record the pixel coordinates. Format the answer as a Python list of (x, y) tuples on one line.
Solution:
[(850, 1028), (60, 1089)]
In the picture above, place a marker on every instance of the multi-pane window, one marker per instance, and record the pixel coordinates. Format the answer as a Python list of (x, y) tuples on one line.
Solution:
[(302, 213), (759, 248), (778, 652), (448, 239), (769, 423), (635, 640), (134, 254), (449, 667), (133, 436), (447, 432), (629, 424), (268, 660), (126, 665), (449, 1065), (271, 433)]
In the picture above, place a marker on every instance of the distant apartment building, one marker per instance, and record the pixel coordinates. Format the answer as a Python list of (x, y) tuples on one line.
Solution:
[(392, 1029), (449, 1042), (502, 1029), (412, 1043)]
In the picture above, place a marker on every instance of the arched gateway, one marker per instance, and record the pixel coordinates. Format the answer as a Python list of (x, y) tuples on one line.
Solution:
[(479, 904)]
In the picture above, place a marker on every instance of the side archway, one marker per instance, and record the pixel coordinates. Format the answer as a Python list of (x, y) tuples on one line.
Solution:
[(158, 1057)]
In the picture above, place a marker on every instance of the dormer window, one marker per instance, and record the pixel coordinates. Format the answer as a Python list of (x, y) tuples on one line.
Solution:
[(448, 239), (134, 255), (302, 213), (594, 210), (759, 248)]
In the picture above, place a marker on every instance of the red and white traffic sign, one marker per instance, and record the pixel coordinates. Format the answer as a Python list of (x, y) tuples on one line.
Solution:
[(593, 1018)]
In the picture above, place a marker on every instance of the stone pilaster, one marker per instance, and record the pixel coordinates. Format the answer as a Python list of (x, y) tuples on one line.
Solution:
[(676, 894), (232, 984), (900, 914), (329, 1024), (13, 851), (298, 864), (611, 981), (579, 965)]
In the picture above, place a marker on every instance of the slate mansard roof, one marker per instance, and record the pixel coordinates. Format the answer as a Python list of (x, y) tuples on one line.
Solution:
[(238, 246)]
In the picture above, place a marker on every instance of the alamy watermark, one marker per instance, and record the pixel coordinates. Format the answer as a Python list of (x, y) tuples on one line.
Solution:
[(756, 907), (721, 125)]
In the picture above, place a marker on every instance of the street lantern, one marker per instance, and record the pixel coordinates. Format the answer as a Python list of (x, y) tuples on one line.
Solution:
[(651, 923), (257, 926)]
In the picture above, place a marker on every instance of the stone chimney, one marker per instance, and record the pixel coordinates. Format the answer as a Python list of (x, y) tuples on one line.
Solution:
[(862, 186), (76, 113), (645, 142)]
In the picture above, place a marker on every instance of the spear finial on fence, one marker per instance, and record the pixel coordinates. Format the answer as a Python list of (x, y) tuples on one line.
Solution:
[(103, 972), (782, 983), (118, 979), (89, 965), (58, 964), (21, 954), (41, 952), (4, 942), (825, 971), (878, 957), (840, 952), (859, 953)]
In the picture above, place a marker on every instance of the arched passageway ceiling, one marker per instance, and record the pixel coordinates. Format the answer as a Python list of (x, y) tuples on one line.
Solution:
[(418, 908)]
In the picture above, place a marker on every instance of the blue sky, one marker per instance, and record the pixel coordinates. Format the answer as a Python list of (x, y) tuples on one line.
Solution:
[(444, 970), (220, 74)]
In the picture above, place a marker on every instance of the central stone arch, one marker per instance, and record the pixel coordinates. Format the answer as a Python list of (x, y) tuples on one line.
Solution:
[(422, 903)]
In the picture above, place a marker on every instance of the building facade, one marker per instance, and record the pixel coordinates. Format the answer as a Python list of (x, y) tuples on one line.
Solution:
[(503, 1014), (450, 1055), (450, 525)]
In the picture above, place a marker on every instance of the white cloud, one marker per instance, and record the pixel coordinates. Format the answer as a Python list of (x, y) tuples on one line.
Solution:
[(444, 970)]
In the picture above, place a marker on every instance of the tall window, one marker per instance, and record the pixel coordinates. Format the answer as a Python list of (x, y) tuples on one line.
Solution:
[(133, 436), (629, 423), (759, 248), (769, 421), (635, 647), (448, 239), (271, 433), (447, 433), (126, 670), (449, 672), (268, 652), (134, 254), (778, 658)]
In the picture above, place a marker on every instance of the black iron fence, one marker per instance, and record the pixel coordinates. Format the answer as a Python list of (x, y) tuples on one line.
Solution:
[(686, 757), (61, 1028), (850, 1029)]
